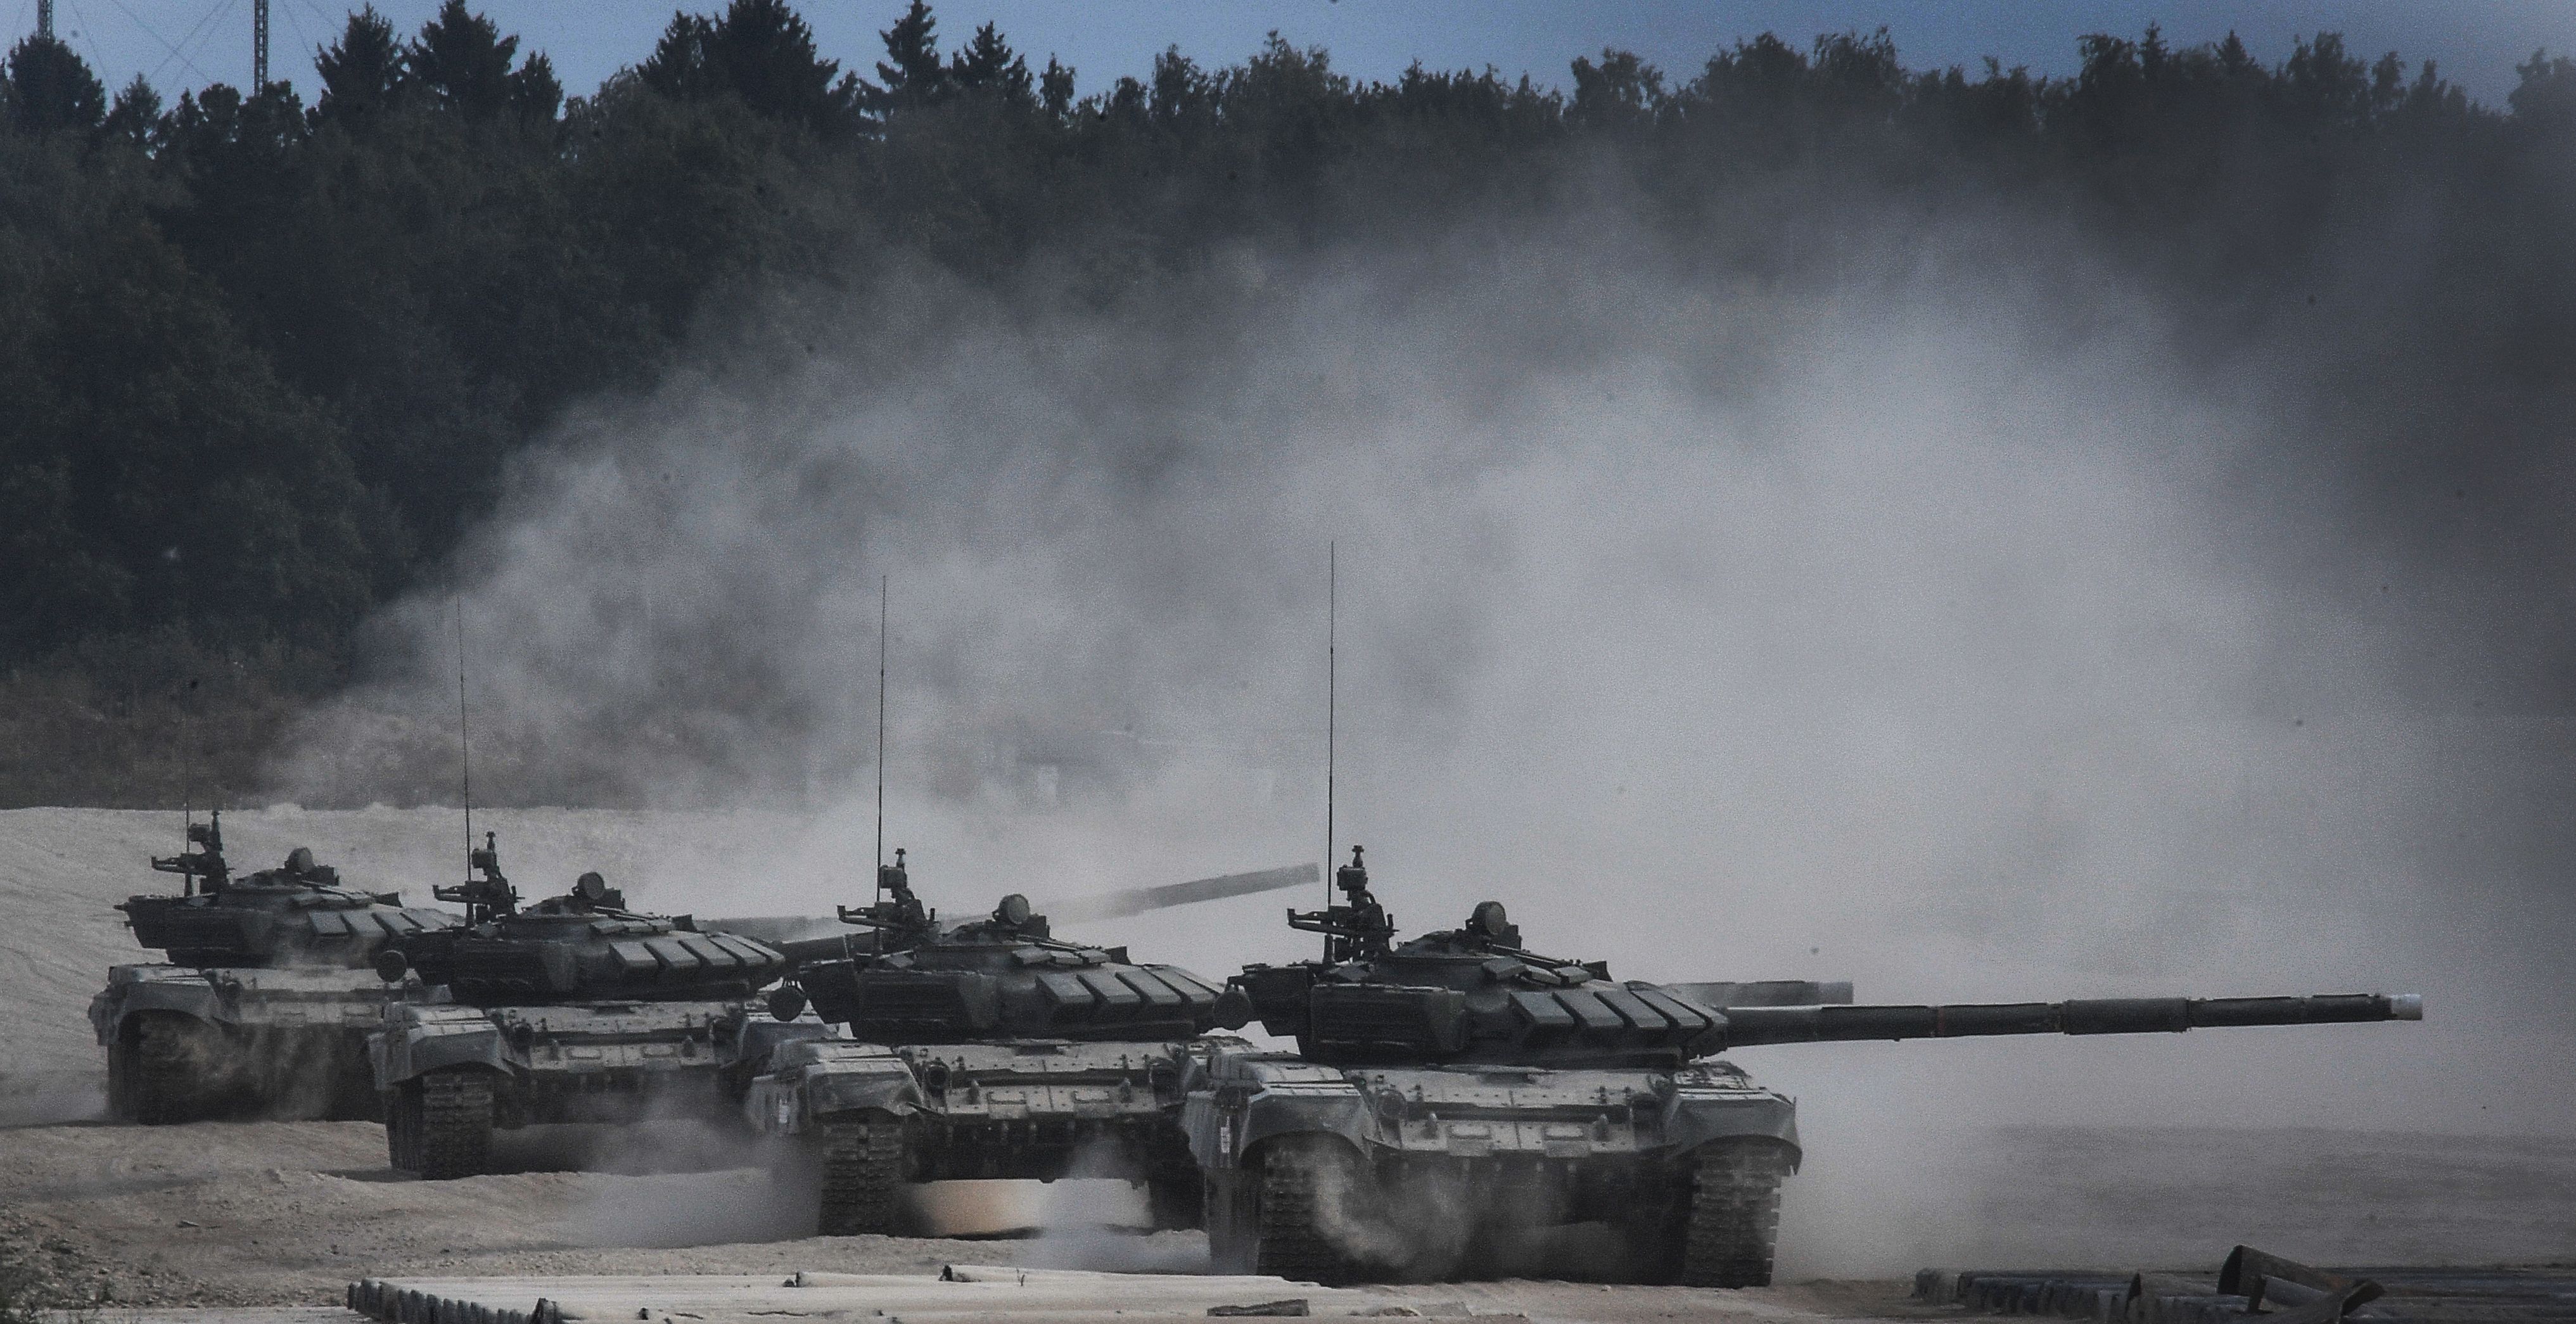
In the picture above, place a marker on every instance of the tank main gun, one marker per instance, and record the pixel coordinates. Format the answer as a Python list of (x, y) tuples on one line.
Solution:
[(1475, 995), (487, 898), (202, 862), (1745, 1026), (1359, 928)]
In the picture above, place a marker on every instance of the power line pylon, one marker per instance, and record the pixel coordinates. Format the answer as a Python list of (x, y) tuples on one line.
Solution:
[(258, 42), (45, 19)]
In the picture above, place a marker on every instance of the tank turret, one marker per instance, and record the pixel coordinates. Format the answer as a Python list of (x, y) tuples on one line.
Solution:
[(584, 945), (911, 979), (295, 914)]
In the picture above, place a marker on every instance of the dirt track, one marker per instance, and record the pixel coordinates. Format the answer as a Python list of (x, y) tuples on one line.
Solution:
[(277, 1213)]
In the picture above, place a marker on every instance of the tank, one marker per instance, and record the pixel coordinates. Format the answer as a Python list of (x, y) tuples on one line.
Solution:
[(992, 1048), (1453, 1091), (264, 1005), (574, 1009)]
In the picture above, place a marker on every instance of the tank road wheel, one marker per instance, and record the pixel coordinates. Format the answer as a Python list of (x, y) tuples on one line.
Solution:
[(862, 1176), (440, 1125), (1306, 1185), (167, 1060), (1734, 1216)]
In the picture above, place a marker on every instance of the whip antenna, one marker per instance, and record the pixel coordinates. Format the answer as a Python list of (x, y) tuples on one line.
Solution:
[(464, 740), (1332, 626), (881, 705), (187, 755)]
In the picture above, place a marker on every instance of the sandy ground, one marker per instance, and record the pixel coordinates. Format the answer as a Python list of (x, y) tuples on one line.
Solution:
[(243, 1214), (286, 1213)]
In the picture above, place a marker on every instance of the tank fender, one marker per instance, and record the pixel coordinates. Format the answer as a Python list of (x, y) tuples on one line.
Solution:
[(154, 988), (418, 1039), (759, 1039), (1233, 1114), (868, 1085), (810, 1081), (1694, 1115)]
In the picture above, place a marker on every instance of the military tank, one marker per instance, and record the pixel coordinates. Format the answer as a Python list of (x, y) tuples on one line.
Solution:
[(263, 1006), (992, 1048), (574, 1009), (1447, 1088)]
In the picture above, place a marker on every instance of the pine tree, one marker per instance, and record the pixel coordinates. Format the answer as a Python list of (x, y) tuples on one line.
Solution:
[(51, 89)]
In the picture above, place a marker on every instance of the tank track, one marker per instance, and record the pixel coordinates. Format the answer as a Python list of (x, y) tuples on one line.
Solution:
[(157, 1072), (1734, 1218), (440, 1125), (862, 1177), (1291, 1241), (1174, 1191)]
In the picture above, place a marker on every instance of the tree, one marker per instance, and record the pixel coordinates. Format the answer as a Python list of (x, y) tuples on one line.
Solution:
[(1622, 90), (361, 72), (464, 62), (760, 53), (1055, 89), (50, 89), (988, 66), (916, 77), (135, 119), (2545, 98)]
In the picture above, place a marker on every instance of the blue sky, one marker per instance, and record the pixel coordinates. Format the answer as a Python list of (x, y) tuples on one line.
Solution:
[(184, 43)]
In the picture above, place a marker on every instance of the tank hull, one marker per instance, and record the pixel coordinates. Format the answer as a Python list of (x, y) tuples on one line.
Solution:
[(1422, 1165), (186, 1044), (479, 1069), (1020, 1109)]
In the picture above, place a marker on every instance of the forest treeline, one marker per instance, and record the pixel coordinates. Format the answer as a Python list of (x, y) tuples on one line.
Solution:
[(263, 357)]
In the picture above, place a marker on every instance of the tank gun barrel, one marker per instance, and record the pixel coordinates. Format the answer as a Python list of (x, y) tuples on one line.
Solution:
[(1788, 1025)]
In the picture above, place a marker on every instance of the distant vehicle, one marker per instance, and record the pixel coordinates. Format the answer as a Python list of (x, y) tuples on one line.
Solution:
[(265, 1005), (1458, 1081), (575, 1009), (991, 1048)]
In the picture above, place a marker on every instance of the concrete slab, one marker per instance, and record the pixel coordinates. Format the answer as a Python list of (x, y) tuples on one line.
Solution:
[(960, 1294), (206, 1315)]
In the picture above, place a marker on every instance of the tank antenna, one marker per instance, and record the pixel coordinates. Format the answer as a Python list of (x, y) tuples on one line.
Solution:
[(882, 581), (464, 741), (1332, 666), (187, 720)]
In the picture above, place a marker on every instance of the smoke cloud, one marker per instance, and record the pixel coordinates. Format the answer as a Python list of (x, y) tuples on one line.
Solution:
[(1963, 616)]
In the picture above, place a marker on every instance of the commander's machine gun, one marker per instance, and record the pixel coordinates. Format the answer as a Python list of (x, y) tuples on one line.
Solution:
[(202, 864), (1355, 930), (486, 898)]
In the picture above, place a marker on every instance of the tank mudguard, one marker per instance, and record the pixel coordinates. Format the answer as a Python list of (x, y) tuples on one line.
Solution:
[(812, 1080), (1714, 1101), (421, 1039), (760, 1039), (135, 988), (1241, 1100)]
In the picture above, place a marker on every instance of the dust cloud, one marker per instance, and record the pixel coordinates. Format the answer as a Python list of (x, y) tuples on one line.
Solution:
[(1965, 622)]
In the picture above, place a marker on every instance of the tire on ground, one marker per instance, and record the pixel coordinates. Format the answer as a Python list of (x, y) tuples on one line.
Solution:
[(1734, 1213)]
